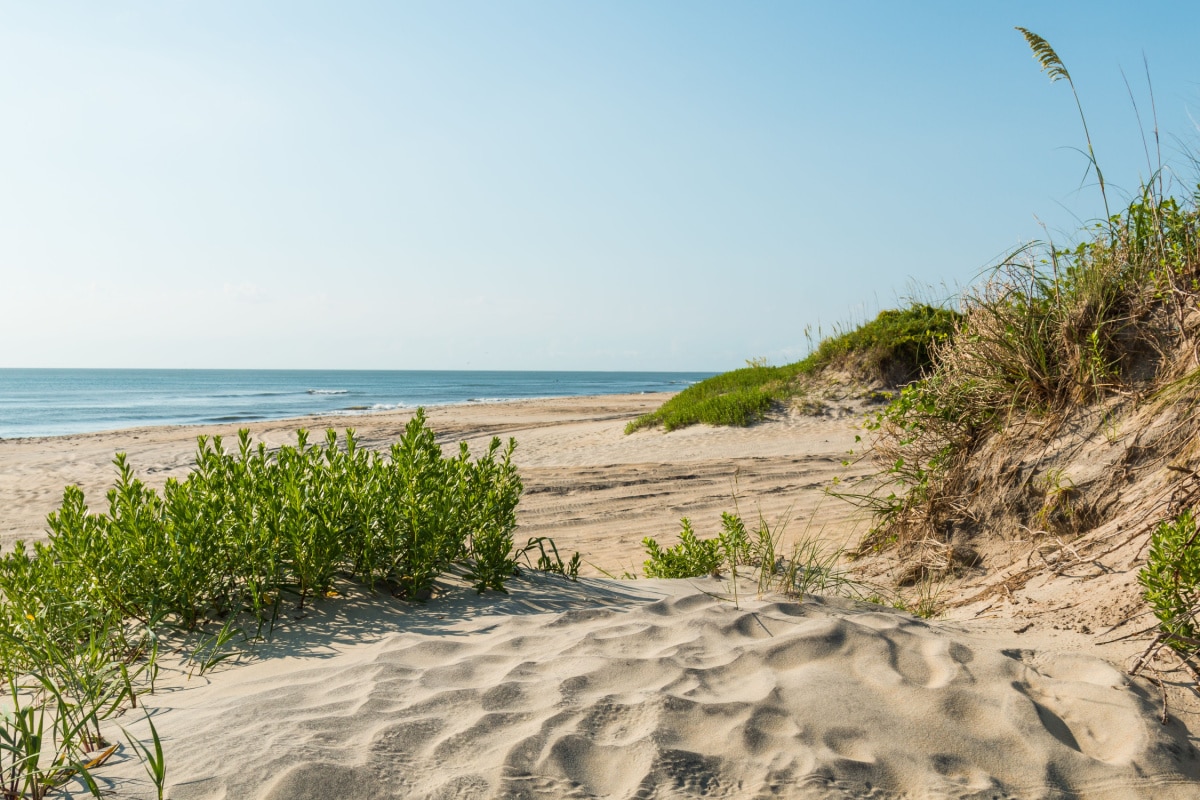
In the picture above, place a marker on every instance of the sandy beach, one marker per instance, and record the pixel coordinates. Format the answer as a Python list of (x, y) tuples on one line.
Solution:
[(607, 688), (587, 485)]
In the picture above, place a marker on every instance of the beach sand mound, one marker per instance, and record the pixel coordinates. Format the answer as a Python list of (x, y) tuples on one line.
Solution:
[(657, 689)]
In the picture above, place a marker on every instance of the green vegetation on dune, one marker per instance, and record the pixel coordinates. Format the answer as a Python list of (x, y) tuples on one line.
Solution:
[(1057, 336), (1053, 338), (894, 347), (83, 616), (811, 567), (1171, 580), (1051, 330), (731, 398)]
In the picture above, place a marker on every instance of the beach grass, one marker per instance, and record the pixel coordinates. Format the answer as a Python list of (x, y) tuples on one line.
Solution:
[(812, 565), (894, 347), (1052, 332)]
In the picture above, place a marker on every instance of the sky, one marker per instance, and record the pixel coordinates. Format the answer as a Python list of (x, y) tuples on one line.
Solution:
[(620, 185)]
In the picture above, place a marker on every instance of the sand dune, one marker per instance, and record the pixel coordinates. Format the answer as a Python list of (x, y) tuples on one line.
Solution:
[(658, 689), (641, 689)]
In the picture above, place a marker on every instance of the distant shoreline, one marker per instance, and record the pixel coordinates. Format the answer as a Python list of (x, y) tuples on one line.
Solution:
[(339, 420), (41, 403)]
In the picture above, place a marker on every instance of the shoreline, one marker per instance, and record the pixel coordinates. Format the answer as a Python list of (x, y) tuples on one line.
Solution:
[(350, 413), (68, 402)]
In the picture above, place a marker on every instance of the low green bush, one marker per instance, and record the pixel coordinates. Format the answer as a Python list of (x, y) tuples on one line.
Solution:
[(243, 527), (691, 558), (1171, 580), (82, 615)]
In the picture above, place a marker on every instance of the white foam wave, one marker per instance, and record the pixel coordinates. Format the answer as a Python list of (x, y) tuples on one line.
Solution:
[(353, 410)]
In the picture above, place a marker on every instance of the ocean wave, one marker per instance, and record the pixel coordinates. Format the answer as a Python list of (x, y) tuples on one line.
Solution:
[(329, 391), (373, 407), (251, 394)]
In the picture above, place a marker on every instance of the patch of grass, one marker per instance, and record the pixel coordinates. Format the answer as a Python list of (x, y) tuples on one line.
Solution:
[(736, 398), (895, 347), (921, 602), (711, 405)]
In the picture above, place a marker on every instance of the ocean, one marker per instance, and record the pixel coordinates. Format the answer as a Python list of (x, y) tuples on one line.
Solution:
[(53, 402)]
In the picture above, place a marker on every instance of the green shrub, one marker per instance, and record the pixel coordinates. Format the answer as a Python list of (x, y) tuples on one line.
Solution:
[(691, 558), (244, 526), (81, 615), (1171, 579), (694, 557)]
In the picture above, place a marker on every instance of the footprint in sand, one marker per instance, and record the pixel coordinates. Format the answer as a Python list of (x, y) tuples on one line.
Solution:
[(601, 770), (933, 663), (1087, 715), (770, 729), (1085, 703), (899, 658), (813, 640)]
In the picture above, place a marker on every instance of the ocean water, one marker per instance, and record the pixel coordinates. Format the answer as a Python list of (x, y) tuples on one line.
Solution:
[(52, 402)]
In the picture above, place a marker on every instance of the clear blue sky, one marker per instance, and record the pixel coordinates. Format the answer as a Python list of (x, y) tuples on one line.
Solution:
[(538, 185)]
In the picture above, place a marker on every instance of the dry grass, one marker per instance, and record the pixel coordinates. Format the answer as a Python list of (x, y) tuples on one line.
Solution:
[(1040, 339)]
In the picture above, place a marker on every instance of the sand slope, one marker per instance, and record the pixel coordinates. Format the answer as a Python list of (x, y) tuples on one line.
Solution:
[(646, 689), (655, 689)]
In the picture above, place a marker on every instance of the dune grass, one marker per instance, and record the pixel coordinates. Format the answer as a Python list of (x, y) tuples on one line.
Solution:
[(895, 346), (1051, 329), (739, 397), (82, 616), (1052, 332)]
